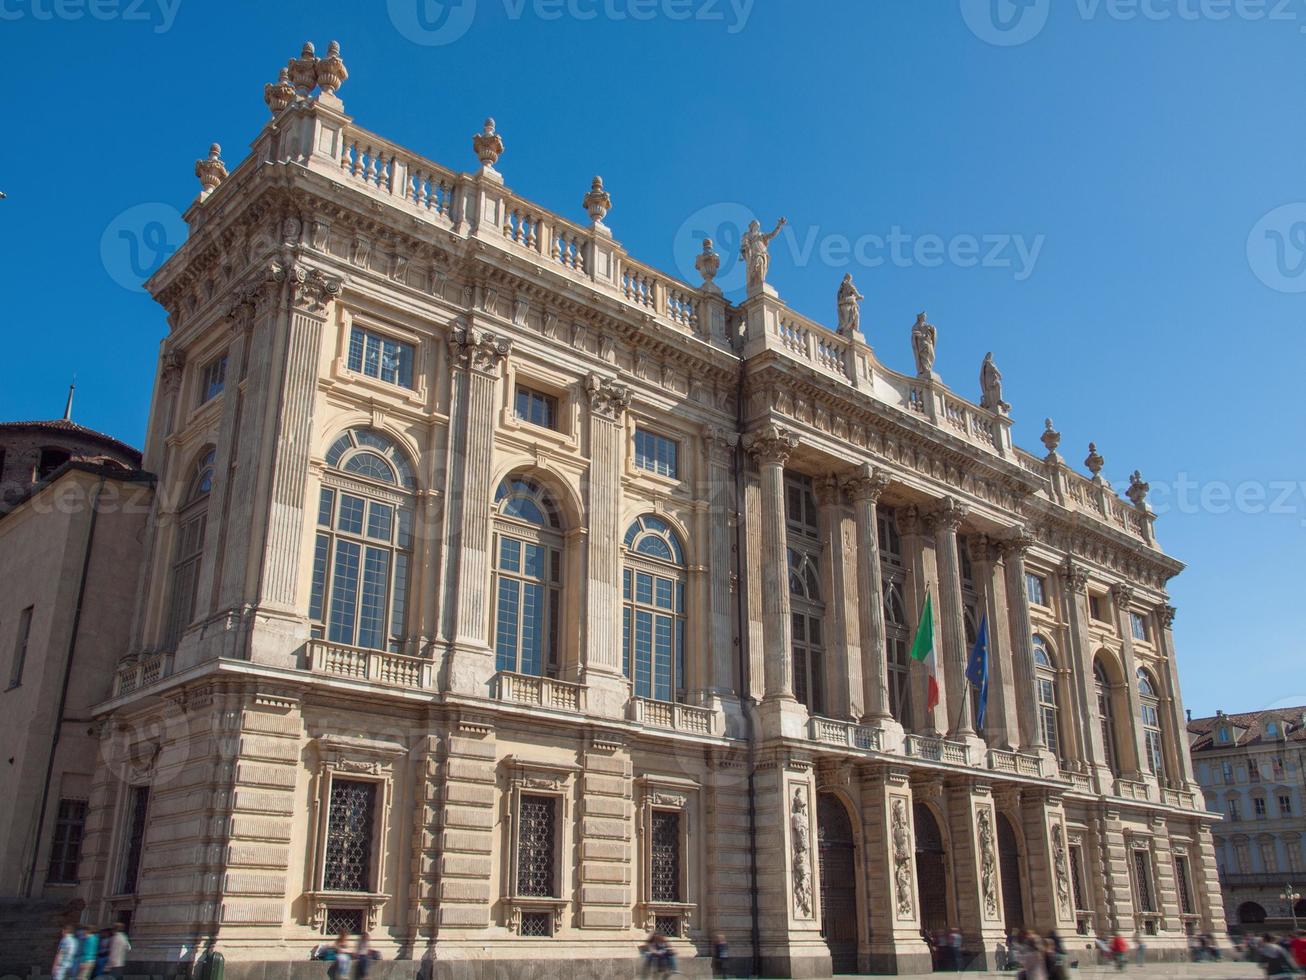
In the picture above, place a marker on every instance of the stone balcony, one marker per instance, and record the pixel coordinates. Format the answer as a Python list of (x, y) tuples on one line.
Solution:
[(141, 671), (373, 666), (673, 716), (538, 692)]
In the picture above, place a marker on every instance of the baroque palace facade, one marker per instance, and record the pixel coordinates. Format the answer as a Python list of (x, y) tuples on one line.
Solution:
[(508, 599)]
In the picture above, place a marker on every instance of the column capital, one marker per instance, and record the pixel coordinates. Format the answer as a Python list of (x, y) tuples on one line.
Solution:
[(949, 515), (827, 491), (1074, 577), (718, 440), (311, 289), (1123, 594), (771, 444), (1166, 613), (607, 399), (866, 483), (1018, 543), (473, 349)]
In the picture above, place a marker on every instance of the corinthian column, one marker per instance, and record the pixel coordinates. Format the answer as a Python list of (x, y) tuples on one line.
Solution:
[(947, 519), (865, 487), (771, 447), (1014, 550), (719, 444), (1177, 720)]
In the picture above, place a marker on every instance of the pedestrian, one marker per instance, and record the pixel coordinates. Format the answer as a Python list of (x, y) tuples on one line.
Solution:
[(954, 944), (1140, 949), (365, 955), (1056, 957), (65, 957), (342, 961), (720, 952), (1119, 948), (119, 947), (1035, 960), (88, 943), (1274, 958)]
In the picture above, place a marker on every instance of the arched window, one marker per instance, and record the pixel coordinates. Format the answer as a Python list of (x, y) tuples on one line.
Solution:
[(189, 548), (527, 578), (807, 609), (1105, 715), (362, 553), (897, 631), (1045, 690), (653, 612), (1149, 700)]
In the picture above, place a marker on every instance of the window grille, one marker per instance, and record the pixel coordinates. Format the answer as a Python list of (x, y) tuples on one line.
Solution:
[(344, 920), (537, 924), (349, 836), (665, 854), (537, 846)]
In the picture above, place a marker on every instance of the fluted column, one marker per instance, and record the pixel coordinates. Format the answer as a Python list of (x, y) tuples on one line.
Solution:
[(1000, 722), (771, 447), (1093, 750), (946, 520), (842, 674), (1014, 550), (1177, 720), (865, 487), (1123, 596), (719, 445)]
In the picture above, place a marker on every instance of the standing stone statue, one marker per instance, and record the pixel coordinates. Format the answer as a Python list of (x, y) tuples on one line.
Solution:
[(850, 313), (753, 249), (991, 386), (923, 336)]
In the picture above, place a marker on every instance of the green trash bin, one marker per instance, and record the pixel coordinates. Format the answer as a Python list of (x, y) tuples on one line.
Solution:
[(212, 966)]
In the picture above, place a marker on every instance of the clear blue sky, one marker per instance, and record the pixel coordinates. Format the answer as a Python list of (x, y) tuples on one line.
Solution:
[(1132, 156)]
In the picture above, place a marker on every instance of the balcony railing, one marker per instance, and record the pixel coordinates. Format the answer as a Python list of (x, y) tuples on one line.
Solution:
[(934, 749), (375, 666), (141, 671), (1015, 763), (1178, 798), (847, 733), (1132, 790), (538, 692), (673, 716)]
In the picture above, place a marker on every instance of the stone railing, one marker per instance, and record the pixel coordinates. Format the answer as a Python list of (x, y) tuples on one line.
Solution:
[(935, 749), (392, 172), (539, 692), (1079, 493), (1178, 798), (1130, 789), (1015, 763), (669, 714), (374, 666), (1080, 782), (847, 733), (134, 673)]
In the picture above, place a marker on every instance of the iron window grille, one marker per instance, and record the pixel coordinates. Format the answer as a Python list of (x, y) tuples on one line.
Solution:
[(537, 847), (538, 924), (343, 920), (1143, 881), (664, 864), (350, 816)]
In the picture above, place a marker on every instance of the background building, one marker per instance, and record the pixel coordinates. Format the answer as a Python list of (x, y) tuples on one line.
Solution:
[(1250, 768), (509, 599)]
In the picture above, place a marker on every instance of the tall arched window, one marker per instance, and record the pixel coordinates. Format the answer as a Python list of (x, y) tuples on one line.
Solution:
[(1045, 690), (527, 578), (1105, 715), (1150, 701), (897, 632), (653, 613), (189, 548), (362, 553), (807, 610)]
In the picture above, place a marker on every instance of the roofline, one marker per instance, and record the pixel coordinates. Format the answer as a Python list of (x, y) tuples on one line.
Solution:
[(107, 471), (57, 425)]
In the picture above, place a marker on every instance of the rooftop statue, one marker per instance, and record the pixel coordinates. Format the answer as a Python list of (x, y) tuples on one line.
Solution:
[(753, 249)]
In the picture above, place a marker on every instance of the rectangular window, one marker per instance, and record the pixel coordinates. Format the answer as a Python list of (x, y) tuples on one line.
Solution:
[(350, 815), (537, 847), (664, 865), (1258, 806), (20, 647), (1226, 769), (1095, 608), (1183, 886), (1235, 810), (1036, 589), (213, 379), (1243, 858), (1143, 881), (185, 577), (657, 454), (536, 407), (1269, 860), (1285, 805), (66, 848), (1138, 626), (1077, 876), (380, 357), (138, 803)]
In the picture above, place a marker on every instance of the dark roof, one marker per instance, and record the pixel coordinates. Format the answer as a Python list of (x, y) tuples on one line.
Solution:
[(1249, 728), (109, 470), (69, 428)]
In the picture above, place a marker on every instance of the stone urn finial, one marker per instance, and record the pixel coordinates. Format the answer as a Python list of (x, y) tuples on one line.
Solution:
[(1051, 438), (1138, 490), (708, 262), (303, 70), (598, 202), (1094, 462), (280, 93), (488, 145), (211, 171), (331, 71)]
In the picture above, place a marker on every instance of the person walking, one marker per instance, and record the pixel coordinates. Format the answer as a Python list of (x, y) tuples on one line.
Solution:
[(1119, 949), (954, 944), (88, 944), (1298, 948), (365, 955), (342, 962), (720, 952), (1034, 962), (1274, 958), (65, 956), (119, 947), (1140, 949)]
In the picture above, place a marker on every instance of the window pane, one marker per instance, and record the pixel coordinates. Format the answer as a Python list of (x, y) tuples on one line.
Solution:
[(509, 555), (348, 859), (325, 502), (380, 521), (662, 593), (344, 591), (643, 588), (356, 341), (350, 518), (643, 654), (399, 603), (532, 629), (505, 631), (321, 550), (662, 658)]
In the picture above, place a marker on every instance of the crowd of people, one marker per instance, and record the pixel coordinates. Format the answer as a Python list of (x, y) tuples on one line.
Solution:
[(84, 953), (1284, 956), (350, 959)]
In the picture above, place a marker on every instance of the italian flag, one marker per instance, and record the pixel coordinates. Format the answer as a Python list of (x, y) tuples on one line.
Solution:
[(922, 650)]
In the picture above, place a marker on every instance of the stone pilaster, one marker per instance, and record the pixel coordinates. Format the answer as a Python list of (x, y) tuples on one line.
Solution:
[(1115, 874), (1094, 753), (1206, 882), (843, 674), (922, 580), (973, 836), (601, 665), (1000, 722), (1047, 863), (1123, 596), (889, 871), (865, 488), (721, 684), (604, 845), (476, 357), (946, 520), (1176, 721), (1021, 635), (465, 878), (424, 874), (727, 902)]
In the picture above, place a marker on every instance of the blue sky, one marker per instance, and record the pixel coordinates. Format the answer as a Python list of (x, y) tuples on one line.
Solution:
[(1107, 195)]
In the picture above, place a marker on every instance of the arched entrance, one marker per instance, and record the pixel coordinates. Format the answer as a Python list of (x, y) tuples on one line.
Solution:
[(931, 870), (1250, 914), (838, 851), (1009, 863)]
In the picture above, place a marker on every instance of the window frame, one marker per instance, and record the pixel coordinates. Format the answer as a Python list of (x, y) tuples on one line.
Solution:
[(1046, 678), (548, 400), (537, 779), (22, 640), (63, 849), (673, 570), (1036, 583), (666, 794), (211, 386), (383, 337), (551, 538), (807, 605), (640, 459)]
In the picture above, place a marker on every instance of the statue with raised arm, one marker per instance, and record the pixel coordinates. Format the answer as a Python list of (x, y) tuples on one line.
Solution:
[(753, 249), (850, 313), (923, 337), (991, 386)]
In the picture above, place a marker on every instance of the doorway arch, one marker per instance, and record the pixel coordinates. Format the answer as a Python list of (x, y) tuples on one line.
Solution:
[(838, 853), (1009, 864), (931, 870), (1250, 914)]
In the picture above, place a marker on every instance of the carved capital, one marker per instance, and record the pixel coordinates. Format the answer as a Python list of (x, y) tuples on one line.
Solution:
[(1123, 594), (608, 400), (866, 483), (827, 491), (771, 444), (1074, 578), (311, 289), (174, 363), (1017, 544), (719, 441), (949, 515), (481, 351)]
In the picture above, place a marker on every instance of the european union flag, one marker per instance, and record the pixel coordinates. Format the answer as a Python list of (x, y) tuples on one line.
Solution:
[(977, 669)]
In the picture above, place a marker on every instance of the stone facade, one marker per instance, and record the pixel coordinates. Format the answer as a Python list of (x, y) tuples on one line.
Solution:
[(535, 600), (1249, 766)]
